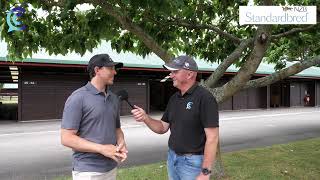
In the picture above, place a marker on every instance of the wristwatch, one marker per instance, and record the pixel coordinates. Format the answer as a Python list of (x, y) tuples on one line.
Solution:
[(205, 171)]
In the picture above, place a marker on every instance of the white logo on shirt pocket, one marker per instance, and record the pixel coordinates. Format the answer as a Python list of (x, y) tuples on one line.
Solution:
[(189, 105)]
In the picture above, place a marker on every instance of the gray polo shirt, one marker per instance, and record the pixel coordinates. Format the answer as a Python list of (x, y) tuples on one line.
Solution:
[(95, 117)]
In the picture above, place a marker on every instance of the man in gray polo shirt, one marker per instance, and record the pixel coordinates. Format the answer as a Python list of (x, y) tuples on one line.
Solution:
[(91, 124)]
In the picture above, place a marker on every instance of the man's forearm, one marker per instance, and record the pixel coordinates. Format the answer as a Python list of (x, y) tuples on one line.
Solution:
[(70, 139), (155, 125), (120, 136), (79, 144), (210, 152)]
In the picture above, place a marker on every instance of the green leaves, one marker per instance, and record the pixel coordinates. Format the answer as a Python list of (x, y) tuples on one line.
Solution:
[(297, 47), (63, 30)]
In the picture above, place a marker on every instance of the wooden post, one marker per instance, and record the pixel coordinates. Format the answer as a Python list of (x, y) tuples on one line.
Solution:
[(268, 96)]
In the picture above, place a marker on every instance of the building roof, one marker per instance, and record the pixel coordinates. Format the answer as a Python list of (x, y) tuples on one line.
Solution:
[(132, 60)]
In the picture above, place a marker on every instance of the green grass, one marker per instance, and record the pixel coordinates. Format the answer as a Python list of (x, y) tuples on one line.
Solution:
[(294, 161), (157, 171), (299, 160)]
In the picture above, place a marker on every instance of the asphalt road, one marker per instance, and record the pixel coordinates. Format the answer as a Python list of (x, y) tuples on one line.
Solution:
[(33, 151)]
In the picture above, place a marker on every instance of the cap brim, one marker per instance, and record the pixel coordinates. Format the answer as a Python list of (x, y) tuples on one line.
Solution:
[(170, 68), (119, 65), (115, 64)]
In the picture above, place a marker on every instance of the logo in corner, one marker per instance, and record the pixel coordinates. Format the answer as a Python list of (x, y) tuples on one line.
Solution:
[(13, 15)]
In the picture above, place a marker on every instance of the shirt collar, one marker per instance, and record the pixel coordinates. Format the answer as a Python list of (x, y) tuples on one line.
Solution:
[(190, 90), (94, 90)]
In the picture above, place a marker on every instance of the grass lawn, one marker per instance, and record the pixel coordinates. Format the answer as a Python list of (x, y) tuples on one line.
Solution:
[(299, 160), (295, 161)]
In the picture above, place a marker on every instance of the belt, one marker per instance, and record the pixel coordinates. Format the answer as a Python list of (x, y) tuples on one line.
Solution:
[(189, 153)]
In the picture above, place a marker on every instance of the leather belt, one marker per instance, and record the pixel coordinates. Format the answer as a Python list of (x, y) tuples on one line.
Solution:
[(189, 154)]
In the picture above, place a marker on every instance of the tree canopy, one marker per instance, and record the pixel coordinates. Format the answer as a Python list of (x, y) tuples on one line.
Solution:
[(201, 28), (206, 29)]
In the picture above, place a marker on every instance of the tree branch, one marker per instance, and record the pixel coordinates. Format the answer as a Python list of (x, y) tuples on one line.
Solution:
[(261, 43), (262, 40), (190, 25), (292, 31), (135, 29), (277, 76), (235, 55)]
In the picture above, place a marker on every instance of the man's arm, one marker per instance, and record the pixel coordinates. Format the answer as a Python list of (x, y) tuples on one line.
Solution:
[(210, 149), (120, 136), (156, 126), (70, 139), (121, 144)]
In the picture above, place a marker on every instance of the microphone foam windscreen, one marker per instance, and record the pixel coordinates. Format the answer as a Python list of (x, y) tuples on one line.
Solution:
[(122, 94)]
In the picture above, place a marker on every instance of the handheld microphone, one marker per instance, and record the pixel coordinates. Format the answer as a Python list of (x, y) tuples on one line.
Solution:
[(123, 95)]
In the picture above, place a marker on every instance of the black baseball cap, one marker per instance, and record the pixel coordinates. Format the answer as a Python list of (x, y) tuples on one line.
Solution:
[(101, 60), (182, 62)]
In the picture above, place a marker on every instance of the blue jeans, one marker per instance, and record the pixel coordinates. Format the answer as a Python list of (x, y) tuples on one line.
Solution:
[(183, 167)]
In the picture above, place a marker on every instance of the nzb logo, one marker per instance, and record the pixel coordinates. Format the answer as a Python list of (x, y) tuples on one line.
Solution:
[(13, 15)]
